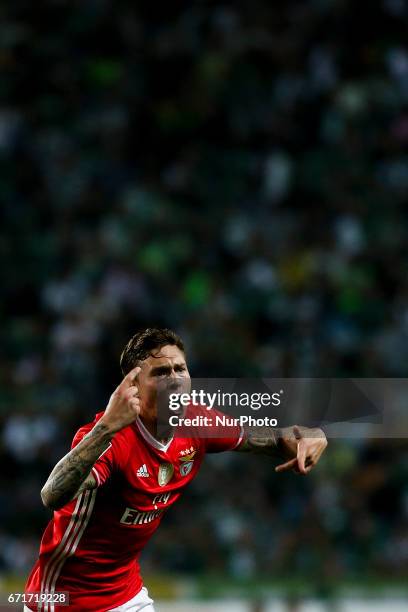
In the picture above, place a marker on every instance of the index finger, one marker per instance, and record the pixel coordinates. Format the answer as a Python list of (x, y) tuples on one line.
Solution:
[(284, 467), (130, 377)]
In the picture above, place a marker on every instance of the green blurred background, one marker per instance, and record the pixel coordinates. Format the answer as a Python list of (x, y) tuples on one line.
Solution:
[(237, 171)]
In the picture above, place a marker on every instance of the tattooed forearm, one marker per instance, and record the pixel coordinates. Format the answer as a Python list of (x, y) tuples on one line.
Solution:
[(261, 440), (71, 471)]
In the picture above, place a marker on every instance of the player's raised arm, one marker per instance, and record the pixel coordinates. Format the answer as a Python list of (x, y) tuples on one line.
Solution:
[(302, 447), (71, 475)]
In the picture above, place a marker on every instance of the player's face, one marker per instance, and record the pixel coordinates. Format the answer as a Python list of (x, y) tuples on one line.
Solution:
[(166, 369)]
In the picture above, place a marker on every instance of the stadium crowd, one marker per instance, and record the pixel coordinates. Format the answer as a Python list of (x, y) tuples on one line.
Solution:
[(235, 171)]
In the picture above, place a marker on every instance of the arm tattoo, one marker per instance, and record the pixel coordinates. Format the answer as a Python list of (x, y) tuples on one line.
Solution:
[(72, 470), (261, 440)]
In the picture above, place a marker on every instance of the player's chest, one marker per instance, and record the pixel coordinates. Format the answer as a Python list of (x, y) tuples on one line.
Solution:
[(153, 478)]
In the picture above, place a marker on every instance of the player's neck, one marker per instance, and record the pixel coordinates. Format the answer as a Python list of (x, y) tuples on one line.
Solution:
[(151, 425)]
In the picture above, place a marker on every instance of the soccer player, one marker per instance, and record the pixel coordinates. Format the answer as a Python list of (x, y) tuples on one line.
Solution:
[(110, 492)]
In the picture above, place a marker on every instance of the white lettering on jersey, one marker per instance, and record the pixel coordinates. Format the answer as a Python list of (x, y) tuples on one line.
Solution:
[(162, 498), (131, 516)]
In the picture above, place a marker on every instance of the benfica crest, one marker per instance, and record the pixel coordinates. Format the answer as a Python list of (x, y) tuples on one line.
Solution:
[(187, 462), (166, 471)]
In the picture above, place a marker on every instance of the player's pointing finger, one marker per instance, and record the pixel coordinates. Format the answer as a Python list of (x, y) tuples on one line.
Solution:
[(130, 377), (284, 467)]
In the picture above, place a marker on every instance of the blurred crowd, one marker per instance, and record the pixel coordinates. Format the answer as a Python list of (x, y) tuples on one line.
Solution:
[(235, 171)]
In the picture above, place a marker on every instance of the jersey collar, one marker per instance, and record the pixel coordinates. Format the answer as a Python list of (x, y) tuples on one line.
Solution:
[(151, 439)]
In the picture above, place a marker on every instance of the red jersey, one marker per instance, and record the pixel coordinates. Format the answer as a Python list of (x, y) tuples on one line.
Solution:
[(92, 545)]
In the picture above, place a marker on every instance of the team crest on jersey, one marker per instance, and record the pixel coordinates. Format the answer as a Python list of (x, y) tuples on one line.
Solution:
[(187, 460), (166, 471)]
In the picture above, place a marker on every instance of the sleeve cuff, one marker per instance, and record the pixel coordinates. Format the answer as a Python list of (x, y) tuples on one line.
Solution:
[(94, 471)]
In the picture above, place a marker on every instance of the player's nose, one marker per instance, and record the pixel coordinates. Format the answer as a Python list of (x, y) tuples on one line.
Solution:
[(175, 380)]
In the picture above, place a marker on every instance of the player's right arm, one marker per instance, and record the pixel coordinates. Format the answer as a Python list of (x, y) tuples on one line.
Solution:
[(72, 475)]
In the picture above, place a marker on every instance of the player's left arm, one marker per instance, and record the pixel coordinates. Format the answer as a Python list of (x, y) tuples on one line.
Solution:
[(301, 447)]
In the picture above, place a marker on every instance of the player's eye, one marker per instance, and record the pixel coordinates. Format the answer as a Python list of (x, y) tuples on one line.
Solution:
[(163, 372)]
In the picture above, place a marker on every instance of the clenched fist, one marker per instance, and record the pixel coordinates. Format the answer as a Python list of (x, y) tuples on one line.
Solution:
[(124, 403)]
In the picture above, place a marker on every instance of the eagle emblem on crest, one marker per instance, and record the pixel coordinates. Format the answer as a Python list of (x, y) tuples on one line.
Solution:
[(187, 461)]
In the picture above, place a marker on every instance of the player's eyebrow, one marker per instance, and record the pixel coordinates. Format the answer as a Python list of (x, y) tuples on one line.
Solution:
[(161, 368), (166, 368)]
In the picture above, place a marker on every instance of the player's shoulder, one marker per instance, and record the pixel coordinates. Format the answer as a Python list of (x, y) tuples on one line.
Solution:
[(84, 429), (120, 442), (196, 410)]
